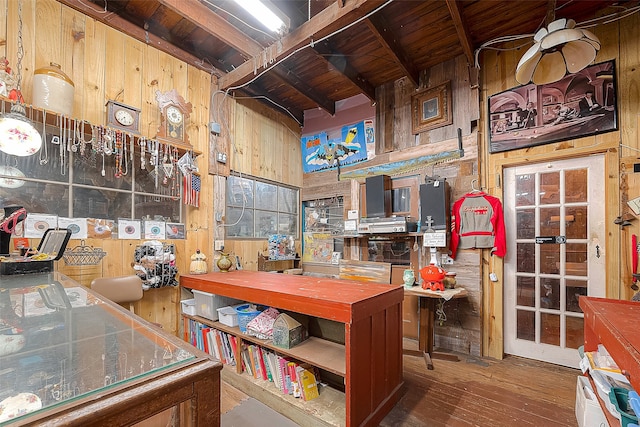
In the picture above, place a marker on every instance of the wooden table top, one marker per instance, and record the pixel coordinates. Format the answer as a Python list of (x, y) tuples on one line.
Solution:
[(447, 294)]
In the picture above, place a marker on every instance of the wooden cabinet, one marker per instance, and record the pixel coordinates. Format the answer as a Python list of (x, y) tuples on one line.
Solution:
[(87, 361), (370, 361), (614, 324)]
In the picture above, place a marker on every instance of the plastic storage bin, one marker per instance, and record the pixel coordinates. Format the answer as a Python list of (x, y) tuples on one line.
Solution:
[(207, 304), (245, 315), (228, 316), (189, 306), (620, 399), (588, 411)]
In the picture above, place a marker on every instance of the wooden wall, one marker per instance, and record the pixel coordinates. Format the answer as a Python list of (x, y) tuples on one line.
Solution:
[(106, 64), (396, 143), (264, 143), (621, 42)]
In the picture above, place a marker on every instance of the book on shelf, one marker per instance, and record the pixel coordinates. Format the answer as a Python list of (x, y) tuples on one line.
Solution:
[(252, 360), (261, 365), (246, 363), (308, 383), (295, 387), (205, 340), (285, 380), (265, 361)]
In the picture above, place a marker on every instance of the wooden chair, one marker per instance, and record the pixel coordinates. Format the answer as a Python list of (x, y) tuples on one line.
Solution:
[(121, 290)]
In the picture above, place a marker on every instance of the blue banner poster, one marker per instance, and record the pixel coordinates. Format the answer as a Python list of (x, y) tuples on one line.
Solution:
[(321, 153)]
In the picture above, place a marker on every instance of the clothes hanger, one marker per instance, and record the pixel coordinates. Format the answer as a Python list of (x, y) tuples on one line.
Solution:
[(473, 187)]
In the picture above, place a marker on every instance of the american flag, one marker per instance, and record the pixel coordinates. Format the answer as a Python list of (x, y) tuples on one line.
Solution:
[(192, 184)]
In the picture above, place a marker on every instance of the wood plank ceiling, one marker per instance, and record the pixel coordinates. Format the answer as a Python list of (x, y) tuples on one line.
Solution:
[(334, 49)]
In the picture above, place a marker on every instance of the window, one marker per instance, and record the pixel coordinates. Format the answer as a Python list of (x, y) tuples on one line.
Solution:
[(257, 209), (81, 182)]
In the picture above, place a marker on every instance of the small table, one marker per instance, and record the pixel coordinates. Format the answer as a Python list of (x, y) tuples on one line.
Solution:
[(428, 300)]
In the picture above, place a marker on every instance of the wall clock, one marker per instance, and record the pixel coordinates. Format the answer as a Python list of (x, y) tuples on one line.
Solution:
[(174, 113), (122, 116)]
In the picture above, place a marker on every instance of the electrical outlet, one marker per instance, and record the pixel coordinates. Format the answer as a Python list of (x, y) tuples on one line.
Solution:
[(222, 158), (218, 245)]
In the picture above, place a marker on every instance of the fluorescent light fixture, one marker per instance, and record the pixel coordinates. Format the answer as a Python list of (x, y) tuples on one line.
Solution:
[(262, 13)]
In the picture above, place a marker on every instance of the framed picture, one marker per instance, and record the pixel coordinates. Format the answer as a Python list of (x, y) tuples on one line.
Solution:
[(431, 108), (579, 105)]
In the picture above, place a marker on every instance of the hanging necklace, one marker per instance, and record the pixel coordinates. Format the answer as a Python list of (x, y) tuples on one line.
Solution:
[(63, 146), (143, 160), (118, 154), (44, 160), (124, 154)]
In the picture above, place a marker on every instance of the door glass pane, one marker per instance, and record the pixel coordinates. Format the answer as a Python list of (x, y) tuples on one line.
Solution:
[(576, 185), (550, 221), (550, 329), (526, 291), (576, 259), (575, 289), (526, 326), (574, 332), (525, 190), (525, 222), (550, 293), (549, 259), (576, 222), (549, 188), (526, 258)]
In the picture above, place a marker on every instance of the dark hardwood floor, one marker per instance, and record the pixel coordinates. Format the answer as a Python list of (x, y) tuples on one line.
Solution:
[(475, 392)]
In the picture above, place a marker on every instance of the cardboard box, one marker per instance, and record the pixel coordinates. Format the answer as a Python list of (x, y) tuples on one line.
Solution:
[(588, 410), (207, 304)]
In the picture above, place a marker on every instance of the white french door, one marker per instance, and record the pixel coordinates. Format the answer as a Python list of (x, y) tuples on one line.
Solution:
[(554, 217)]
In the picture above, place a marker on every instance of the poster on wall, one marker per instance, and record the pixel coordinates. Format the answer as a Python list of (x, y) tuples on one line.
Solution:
[(36, 224), (321, 153), (578, 105), (77, 226), (318, 247), (129, 229)]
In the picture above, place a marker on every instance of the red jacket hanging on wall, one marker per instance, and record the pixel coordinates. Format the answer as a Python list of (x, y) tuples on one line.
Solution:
[(477, 221)]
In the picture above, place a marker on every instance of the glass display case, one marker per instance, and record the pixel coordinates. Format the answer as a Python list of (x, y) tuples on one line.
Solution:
[(68, 356)]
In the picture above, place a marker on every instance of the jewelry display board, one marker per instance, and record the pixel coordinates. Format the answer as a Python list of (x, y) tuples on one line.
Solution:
[(66, 353)]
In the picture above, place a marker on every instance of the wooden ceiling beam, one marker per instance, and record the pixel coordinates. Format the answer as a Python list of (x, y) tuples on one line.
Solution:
[(332, 18), (256, 92), (138, 33), (386, 37), (338, 62), (306, 90), (214, 24), (461, 29), (201, 16)]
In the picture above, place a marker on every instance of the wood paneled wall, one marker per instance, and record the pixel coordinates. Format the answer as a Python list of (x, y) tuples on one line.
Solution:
[(396, 143), (106, 64), (265, 143), (621, 42)]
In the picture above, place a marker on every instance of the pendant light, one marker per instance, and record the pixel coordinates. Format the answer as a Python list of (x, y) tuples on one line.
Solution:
[(556, 51), (18, 136)]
